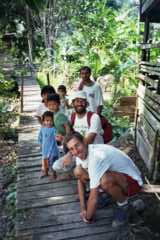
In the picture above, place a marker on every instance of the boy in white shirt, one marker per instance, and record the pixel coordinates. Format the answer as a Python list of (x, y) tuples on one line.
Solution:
[(42, 108)]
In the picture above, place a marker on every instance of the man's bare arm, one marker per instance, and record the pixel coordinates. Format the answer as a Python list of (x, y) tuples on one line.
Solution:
[(92, 204), (81, 192)]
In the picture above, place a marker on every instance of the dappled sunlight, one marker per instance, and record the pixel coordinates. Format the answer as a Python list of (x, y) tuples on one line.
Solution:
[(54, 199)]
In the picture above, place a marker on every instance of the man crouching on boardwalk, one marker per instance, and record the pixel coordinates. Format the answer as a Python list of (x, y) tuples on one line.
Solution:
[(108, 168)]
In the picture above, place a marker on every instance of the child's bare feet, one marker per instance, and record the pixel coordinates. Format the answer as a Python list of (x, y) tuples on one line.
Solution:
[(44, 173), (53, 175), (68, 177)]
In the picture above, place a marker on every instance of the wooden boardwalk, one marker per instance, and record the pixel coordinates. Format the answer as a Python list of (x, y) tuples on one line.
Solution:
[(49, 209)]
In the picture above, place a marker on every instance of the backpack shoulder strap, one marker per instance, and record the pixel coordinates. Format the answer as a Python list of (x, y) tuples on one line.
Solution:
[(89, 115), (73, 117)]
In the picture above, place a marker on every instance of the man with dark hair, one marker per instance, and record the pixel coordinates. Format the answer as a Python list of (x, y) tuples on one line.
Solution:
[(108, 168), (92, 90)]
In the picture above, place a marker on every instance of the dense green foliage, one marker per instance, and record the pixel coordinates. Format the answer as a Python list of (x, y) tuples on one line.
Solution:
[(102, 37), (64, 35), (119, 124)]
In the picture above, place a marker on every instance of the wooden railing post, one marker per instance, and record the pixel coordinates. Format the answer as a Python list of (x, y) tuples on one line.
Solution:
[(48, 79), (22, 89)]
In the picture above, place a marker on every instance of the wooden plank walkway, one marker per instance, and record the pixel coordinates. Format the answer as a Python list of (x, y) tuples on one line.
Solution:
[(49, 209)]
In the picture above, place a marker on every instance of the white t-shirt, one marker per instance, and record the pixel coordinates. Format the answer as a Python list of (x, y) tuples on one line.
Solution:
[(102, 158), (41, 109), (82, 163), (81, 126), (94, 96)]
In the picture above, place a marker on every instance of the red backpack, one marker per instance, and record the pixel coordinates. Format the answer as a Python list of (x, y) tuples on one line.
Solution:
[(107, 127)]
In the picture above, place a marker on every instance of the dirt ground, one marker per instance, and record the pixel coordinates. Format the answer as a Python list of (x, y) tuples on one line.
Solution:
[(7, 189)]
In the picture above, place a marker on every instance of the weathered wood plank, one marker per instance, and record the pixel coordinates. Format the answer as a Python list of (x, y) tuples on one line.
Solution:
[(29, 175), (150, 102), (99, 236), (54, 200), (154, 83), (65, 227), (46, 218), (154, 122), (149, 45), (36, 168), (37, 154), (96, 236), (68, 190), (149, 131), (46, 186), (25, 182), (127, 101), (150, 188), (26, 165), (29, 159), (150, 63), (76, 233), (144, 148)]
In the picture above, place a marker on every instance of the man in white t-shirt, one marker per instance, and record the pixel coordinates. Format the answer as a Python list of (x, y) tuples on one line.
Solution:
[(92, 89), (105, 167), (89, 126), (91, 130)]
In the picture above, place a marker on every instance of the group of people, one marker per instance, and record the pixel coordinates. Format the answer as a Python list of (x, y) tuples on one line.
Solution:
[(75, 141)]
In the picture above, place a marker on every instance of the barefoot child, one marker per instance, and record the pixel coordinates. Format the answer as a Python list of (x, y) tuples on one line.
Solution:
[(47, 139), (61, 122)]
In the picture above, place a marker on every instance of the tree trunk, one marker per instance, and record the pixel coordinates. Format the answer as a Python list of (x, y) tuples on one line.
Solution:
[(29, 35)]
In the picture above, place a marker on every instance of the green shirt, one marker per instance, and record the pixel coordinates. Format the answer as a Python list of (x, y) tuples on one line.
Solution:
[(60, 119)]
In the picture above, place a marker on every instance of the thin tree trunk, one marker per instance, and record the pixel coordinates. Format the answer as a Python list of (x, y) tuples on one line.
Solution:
[(29, 35)]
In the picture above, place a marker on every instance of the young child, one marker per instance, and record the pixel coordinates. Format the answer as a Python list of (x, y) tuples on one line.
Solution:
[(62, 91), (47, 139), (61, 121), (46, 90)]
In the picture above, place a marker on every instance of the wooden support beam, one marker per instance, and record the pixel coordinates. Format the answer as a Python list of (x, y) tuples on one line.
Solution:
[(150, 188), (145, 53)]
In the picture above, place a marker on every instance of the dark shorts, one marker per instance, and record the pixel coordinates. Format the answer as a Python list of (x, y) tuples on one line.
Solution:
[(133, 186)]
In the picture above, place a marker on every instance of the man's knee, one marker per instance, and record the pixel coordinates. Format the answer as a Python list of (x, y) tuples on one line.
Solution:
[(107, 181), (78, 172)]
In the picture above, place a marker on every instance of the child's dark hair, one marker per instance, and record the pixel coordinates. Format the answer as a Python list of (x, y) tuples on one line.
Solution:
[(47, 114), (53, 97), (88, 69), (48, 90), (62, 88)]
